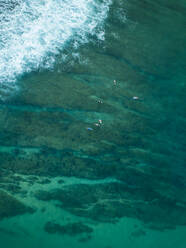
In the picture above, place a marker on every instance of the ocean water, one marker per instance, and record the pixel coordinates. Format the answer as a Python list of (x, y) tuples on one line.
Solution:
[(92, 123)]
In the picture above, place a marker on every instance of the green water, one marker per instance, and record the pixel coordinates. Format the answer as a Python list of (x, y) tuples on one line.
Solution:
[(93, 151)]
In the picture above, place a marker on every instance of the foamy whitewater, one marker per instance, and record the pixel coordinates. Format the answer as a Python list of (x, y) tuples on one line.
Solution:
[(33, 32)]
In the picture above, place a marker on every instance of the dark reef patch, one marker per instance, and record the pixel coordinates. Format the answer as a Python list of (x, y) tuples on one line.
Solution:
[(71, 229), (10, 206), (110, 201)]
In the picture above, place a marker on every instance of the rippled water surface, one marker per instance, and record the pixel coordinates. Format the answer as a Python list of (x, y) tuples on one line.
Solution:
[(92, 123)]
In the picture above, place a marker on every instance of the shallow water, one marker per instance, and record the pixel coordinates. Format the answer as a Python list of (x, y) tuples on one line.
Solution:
[(92, 117)]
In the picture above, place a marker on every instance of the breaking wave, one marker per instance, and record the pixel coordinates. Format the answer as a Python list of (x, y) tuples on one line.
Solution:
[(33, 32)]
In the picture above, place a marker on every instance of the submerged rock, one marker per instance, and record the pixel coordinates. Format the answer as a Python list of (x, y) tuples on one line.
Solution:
[(138, 233), (10, 206), (71, 229)]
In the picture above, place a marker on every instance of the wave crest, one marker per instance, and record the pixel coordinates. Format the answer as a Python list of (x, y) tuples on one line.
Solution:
[(33, 32)]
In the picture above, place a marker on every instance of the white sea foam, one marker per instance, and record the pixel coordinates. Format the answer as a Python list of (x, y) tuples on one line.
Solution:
[(32, 32)]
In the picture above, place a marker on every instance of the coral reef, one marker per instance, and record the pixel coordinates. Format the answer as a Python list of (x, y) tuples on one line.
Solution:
[(119, 116)]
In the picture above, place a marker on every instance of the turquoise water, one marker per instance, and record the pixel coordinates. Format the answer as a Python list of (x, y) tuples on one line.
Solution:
[(92, 124)]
